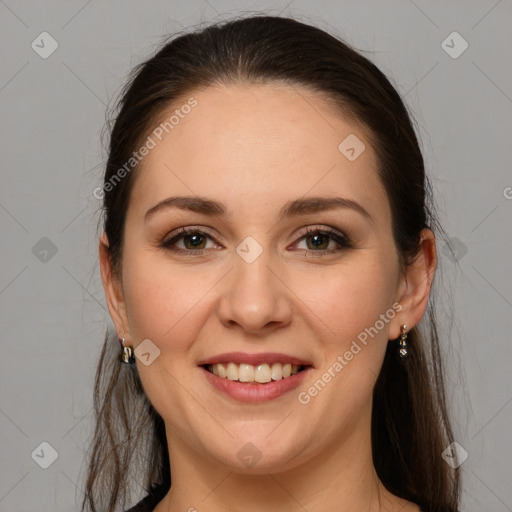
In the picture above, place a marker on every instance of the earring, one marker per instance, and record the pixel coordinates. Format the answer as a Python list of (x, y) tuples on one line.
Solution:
[(403, 342), (126, 353)]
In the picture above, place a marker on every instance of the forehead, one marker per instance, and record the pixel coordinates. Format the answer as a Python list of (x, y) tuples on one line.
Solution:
[(258, 143)]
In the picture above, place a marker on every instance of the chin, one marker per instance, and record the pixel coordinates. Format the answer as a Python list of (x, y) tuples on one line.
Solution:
[(259, 454)]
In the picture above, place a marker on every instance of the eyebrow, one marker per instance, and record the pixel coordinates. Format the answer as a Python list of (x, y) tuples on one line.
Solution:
[(302, 206)]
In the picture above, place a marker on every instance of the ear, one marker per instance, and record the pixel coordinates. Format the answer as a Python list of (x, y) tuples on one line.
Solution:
[(415, 284), (112, 284)]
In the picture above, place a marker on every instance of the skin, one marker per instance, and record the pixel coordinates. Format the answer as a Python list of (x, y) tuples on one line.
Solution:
[(253, 148)]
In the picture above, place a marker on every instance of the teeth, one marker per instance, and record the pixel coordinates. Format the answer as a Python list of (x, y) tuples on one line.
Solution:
[(246, 373), (277, 371), (262, 373), (232, 371), (221, 370)]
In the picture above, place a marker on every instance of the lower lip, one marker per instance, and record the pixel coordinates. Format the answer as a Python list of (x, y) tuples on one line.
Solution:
[(255, 392)]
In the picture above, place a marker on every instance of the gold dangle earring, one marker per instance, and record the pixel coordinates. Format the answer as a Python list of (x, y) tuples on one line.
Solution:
[(127, 354), (403, 342)]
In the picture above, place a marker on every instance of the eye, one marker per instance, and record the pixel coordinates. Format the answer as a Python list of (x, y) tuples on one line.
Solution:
[(318, 240), (194, 241)]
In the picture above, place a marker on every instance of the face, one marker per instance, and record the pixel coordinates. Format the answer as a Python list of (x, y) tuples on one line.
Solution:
[(288, 258)]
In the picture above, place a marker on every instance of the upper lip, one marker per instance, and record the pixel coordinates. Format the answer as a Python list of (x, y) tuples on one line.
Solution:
[(254, 359)]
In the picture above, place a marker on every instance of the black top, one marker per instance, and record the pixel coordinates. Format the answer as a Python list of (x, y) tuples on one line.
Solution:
[(149, 503)]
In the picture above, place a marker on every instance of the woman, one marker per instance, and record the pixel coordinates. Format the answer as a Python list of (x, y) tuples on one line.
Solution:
[(267, 255)]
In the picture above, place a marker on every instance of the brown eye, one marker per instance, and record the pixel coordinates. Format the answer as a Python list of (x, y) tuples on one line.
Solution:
[(194, 241), (318, 240)]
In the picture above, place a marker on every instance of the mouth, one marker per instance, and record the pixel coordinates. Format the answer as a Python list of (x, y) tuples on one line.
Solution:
[(262, 373), (255, 378)]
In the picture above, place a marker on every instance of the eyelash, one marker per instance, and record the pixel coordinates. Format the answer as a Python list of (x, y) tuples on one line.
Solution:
[(338, 237)]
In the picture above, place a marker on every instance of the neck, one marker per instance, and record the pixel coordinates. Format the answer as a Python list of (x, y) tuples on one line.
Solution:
[(339, 478)]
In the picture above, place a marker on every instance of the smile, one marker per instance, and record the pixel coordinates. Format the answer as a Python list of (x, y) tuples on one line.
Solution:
[(261, 373), (254, 377)]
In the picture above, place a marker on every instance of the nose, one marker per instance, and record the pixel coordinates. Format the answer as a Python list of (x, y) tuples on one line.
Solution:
[(255, 297)]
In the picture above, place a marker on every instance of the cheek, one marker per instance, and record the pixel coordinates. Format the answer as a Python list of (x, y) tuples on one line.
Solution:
[(163, 304), (163, 301), (354, 306), (346, 299)]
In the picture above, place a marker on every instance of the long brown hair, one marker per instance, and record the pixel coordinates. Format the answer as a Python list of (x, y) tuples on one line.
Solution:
[(410, 423)]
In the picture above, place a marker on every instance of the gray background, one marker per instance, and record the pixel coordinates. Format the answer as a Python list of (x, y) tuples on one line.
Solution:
[(53, 314)]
